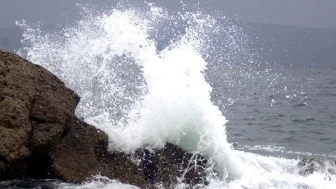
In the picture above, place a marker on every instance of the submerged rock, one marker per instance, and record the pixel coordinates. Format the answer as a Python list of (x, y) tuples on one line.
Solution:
[(171, 165), (308, 166), (35, 184), (40, 137)]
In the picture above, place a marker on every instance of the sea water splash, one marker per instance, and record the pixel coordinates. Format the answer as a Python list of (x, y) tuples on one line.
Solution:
[(144, 96)]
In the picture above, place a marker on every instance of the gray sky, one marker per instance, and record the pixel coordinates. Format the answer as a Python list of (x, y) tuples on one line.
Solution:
[(301, 13)]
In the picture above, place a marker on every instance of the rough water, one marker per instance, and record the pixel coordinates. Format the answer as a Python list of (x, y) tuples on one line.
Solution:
[(301, 121), (147, 76)]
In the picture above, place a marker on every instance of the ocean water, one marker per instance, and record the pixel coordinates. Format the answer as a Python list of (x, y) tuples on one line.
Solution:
[(296, 119), (147, 76)]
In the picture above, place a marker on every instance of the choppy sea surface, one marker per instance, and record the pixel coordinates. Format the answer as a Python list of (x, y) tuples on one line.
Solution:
[(296, 119), (147, 76)]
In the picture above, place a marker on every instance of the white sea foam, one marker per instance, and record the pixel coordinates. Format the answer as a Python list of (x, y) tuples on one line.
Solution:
[(98, 182), (282, 150), (144, 97)]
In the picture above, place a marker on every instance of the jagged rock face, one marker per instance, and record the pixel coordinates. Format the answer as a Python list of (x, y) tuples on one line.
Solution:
[(32, 102)]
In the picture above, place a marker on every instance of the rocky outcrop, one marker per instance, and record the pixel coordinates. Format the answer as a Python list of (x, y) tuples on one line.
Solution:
[(40, 137), (171, 165), (35, 109), (82, 153), (308, 166)]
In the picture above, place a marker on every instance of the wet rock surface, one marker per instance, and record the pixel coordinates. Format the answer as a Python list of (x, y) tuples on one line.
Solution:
[(24, 184), (171, 165), (308, 166), (41, 138)]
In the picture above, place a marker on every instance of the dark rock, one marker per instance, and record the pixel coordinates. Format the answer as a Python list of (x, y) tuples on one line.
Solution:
[(171, 163), (83, 154), (75, 157), (45, 136), (38, 166), (35, 110), (3, 169), (12, 142), (308, 166), (29, 93), (21, 184), (119, 166)]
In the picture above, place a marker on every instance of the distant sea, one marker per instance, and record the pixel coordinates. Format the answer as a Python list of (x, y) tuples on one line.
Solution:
[(295, 118)]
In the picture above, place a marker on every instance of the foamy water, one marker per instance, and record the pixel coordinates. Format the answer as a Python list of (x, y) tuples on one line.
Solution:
[(144, 97)]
